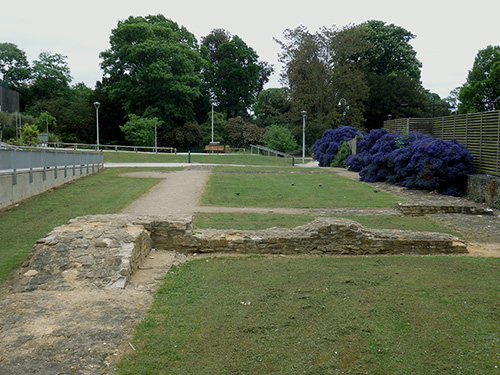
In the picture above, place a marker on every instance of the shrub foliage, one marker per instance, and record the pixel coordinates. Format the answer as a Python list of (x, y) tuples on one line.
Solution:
[(328, 145), (415, 161)]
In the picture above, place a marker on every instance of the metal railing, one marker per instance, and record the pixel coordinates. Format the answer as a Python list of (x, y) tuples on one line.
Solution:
[(266, 150), (84, 146), (20, 158)]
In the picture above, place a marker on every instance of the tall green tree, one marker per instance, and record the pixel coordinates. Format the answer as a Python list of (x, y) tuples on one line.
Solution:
[(481, 92), (74, 112), (323, 78), (51, 76), (234, 76), (390, 52), (153, 68), (392, 74), (14, 67), (272, 107)]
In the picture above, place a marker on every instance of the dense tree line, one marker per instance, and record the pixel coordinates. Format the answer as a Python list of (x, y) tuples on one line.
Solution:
[(156, 74)]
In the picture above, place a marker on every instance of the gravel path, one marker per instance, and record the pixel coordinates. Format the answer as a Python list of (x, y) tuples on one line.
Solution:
[(178, 193)]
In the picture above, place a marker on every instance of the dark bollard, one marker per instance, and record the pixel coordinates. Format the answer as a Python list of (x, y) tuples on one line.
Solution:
[(189, 156), (293, 161)]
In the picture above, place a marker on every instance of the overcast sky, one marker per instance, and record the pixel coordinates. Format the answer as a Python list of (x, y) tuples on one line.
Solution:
[(448, 33)]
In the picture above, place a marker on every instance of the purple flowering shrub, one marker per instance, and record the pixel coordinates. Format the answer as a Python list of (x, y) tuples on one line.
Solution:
[(357, 162), (327, 146), (416, 161), (439, 165)]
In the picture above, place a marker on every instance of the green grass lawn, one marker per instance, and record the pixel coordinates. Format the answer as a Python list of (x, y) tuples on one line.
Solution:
[(323, 315), (249, 221), (291, 190), (290, 315), (101, 193), (262, 221), (236, 158)]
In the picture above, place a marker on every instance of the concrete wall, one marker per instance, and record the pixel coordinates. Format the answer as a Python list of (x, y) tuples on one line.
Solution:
[(18, 185)]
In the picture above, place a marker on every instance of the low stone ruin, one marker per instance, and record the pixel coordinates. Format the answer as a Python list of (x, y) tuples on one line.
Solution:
[(423, 208), (103, 251)]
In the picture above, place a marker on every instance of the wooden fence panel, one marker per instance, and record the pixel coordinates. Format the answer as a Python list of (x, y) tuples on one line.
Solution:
[(479, 132)]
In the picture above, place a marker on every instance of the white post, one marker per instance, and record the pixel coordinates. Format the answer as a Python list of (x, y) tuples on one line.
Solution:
[(212, 122), (304, 113), (156, 141), (96, 105)]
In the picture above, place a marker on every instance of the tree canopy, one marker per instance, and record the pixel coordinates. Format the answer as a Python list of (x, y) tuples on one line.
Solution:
[(14, 66), (51, 75), (319, 72), (371, 69), (234, 75), (153, 68), (481, 92), (390, 52)]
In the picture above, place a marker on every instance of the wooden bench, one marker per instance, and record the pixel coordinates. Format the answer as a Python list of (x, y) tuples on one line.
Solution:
[(217, 148)]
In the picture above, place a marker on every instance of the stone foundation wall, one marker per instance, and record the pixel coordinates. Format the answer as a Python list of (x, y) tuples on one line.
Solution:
[(322, 236), (421, 209), (91, 251), (484, 188), (102, 251)]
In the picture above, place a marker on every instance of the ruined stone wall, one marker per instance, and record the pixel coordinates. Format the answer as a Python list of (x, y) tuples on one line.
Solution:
[(422, 208), (322, 236), (102, 251), (99, 251), (484, 188)]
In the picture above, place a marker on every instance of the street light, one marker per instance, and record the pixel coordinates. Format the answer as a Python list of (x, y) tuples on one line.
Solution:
[(304, 114), (96, 105), (156, 135), (212, 122)]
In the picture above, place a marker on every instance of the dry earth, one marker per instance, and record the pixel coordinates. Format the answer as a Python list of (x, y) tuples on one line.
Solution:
[(86, 331)]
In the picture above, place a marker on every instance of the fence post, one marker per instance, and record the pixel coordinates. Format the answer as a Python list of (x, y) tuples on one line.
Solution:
[(498, 143)]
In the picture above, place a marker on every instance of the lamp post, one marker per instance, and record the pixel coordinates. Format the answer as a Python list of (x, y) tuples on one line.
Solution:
[(212, 122), (342, 101), (304, 114), (96, 105), (156, 135)]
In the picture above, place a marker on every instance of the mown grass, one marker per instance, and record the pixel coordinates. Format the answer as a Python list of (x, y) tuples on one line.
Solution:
[(101, 193), (249, 221), (291, 190), (323, 315), (236, 158), (242, 221)]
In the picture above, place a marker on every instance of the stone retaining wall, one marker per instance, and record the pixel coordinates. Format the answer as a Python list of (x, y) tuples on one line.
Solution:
[(102, 251), (484, 188)]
